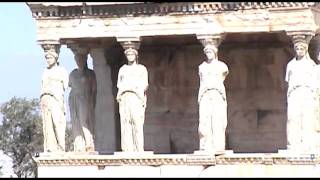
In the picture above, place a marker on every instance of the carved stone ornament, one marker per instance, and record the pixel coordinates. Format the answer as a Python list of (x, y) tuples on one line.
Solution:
[(301, 36), (208, 39)]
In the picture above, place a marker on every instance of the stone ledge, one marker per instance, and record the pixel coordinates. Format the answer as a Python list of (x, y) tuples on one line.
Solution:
[(150, 159)]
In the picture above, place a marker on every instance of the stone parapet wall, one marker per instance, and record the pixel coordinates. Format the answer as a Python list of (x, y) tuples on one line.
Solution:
[(180, 165)]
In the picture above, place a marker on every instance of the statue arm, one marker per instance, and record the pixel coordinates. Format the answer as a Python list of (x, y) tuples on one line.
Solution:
[(41, 87), (119, 81), (225, 71), (71, 77), (288, 73), (65, 79), (146, 83), (94, 89), (119, 85), (200, 74), (70, 80), (201, 85), (287, 78)]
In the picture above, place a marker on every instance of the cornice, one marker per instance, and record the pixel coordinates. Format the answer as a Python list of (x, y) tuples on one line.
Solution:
[(40, 11)]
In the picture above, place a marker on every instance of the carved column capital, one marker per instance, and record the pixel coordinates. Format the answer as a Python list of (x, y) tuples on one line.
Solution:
[(129, 42), (210, 39), (301, 36), (53, 49)]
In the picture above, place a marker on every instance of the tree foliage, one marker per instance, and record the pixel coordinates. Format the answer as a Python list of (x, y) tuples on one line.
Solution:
[(21, 134)]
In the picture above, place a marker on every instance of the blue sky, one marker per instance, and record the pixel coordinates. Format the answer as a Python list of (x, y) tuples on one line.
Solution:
[(22, 58)]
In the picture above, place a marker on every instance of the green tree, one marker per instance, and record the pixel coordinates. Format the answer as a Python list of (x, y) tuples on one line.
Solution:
[(21, 134)]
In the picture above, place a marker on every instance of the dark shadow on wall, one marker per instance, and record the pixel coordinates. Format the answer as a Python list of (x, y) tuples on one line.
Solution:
[(115, 59)]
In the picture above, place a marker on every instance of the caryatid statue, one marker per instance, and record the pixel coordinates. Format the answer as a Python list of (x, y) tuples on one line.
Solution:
[(301, 97), (212, 100), (53, 86), (317, 90), (82, 101), (132, 86)]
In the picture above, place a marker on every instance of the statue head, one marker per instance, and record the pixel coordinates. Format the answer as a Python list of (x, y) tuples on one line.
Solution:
[(52, 58), (301, 49), (301, 44), (211, 52), (132, 55), (81, 60)]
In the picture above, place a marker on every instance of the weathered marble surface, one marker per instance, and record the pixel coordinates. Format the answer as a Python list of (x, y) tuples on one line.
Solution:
[(212, 101), (180, 165), (255, 86), (185, 18), (53, 85), (132, 86), (82, 102), (301, 97)]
